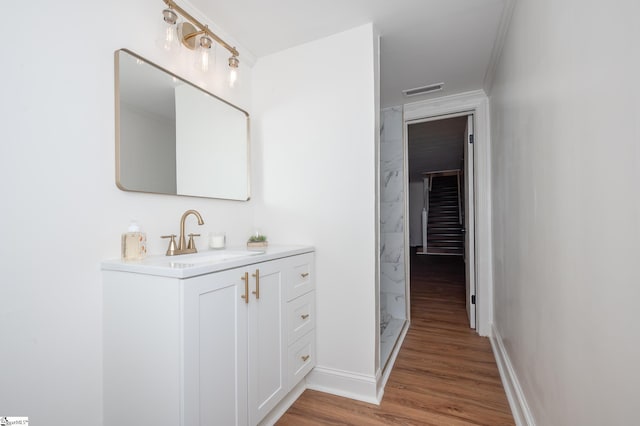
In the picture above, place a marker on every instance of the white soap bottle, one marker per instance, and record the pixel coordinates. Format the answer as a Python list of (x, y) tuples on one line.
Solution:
[(134, 243)]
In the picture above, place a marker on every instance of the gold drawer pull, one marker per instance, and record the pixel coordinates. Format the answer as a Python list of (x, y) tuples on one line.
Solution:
[(245, 296), (305, 316), (304, 274), (257, 275), (305, 357)]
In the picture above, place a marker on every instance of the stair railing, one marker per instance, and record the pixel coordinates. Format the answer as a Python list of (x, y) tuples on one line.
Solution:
[(426, 187), (459, 199)]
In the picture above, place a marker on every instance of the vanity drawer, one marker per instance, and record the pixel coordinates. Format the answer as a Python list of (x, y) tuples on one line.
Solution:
[(302, 280), (301, 316), (302, 358)]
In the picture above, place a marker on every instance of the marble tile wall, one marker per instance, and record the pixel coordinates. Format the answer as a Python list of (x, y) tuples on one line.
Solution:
[(392, 268)]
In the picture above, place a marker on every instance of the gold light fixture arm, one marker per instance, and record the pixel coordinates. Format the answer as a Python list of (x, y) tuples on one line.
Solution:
[(172, 4), (193, 35)]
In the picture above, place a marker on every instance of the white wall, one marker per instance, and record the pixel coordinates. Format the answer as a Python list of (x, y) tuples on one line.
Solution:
[(315, 138), (61, 212), (566, 168), (211, 149), (147, 132)]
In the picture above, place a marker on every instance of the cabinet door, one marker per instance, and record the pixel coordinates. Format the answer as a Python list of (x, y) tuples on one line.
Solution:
[(215, 350), (267, 339)]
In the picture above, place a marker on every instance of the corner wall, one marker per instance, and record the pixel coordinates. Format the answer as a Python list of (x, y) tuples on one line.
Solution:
[(315, 137), (566, 167)]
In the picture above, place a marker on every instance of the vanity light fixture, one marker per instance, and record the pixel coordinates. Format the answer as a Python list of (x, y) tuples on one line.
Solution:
[(196, 36), (170, 39), (204, 57)]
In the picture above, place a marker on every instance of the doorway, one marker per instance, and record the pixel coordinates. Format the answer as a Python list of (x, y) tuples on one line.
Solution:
[(394, 244), (440, 182)]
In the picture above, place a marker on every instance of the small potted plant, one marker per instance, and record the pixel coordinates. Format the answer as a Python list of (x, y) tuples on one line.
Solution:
[(257, 241)]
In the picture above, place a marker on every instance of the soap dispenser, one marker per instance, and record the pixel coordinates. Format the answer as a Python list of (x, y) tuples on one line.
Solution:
[(134, 243)]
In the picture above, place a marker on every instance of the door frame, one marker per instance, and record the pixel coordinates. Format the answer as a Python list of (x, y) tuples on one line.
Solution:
[(476, 103)]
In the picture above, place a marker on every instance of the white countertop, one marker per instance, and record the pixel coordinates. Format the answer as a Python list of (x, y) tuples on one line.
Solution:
[(203, 262)]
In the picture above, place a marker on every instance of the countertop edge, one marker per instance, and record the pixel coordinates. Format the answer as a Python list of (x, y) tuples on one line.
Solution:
[(150, 266)]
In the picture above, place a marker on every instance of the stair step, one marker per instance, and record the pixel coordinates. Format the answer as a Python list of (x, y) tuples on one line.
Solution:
[(443, 209), (443, 199), (450, 203), (443, 231), (447, 249), (438, 200), (456, 244), (432, 235), (447, 199), (451, 223), (431, 250), (445, 244)]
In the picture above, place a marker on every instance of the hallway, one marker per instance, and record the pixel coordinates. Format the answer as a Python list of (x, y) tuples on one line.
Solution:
[(444, 375)]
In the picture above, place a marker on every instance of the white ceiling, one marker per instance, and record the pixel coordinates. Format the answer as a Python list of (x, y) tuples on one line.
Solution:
[(423, 41)]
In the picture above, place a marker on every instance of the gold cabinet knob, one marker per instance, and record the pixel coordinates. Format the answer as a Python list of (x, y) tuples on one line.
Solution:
[(304, 274), (304, 316), (305, 357)]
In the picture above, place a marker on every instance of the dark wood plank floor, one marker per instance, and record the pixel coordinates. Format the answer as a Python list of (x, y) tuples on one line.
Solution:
[(444, 374)]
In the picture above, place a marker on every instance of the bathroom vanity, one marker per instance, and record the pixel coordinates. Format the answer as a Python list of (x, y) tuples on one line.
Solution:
[(214, 338)]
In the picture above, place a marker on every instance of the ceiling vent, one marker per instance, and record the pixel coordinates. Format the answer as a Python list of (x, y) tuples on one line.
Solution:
[(424, 89)]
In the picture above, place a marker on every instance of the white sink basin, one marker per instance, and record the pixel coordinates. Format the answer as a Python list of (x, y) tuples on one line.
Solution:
[(197, 259)]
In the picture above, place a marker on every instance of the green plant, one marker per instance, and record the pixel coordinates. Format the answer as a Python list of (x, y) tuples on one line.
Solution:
[(258, 238)]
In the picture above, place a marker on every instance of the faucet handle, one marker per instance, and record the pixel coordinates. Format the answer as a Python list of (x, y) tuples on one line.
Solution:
[(172, 244), (191, 244)]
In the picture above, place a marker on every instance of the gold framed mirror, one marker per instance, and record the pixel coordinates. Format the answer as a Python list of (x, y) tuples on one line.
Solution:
[(175, 138)]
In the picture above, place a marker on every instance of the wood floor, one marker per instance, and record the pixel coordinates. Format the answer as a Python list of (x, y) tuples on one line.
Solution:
[(444, 374)]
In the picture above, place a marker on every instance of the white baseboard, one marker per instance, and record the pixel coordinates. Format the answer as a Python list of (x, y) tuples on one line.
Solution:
[(342, 383), (517, 401)]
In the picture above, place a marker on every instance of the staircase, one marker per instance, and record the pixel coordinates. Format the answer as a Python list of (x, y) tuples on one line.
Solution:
[(444, 230)]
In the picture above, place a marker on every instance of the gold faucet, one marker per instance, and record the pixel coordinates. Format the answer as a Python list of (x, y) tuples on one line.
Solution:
[(183, 246)]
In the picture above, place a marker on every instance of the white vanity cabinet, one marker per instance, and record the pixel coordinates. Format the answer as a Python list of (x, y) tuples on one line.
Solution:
[(234, 341), (219, 348)]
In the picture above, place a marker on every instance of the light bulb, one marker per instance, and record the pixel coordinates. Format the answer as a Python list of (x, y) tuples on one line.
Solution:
[(233, 71), (204, 60), (170, 34), (203, 54), (233, 77)]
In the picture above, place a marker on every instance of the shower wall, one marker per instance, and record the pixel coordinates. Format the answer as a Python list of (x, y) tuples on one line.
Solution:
[(392, 199)]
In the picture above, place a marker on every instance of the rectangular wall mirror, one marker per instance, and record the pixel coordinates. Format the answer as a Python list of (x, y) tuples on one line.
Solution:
[(175, 138)]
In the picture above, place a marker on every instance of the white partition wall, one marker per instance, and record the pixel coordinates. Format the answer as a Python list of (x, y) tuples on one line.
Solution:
[(314, 138)]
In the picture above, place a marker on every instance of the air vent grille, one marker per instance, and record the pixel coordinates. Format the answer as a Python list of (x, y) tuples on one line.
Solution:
[(424, 89)]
